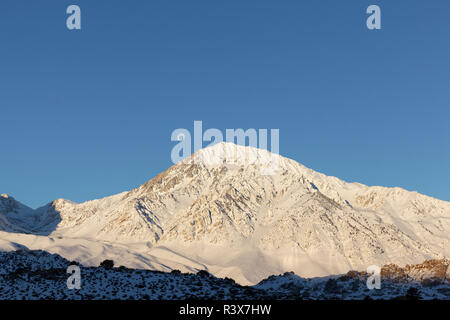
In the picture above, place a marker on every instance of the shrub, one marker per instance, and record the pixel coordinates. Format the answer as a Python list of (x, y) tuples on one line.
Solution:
[(412, 294), (203, 274), (107, 264)]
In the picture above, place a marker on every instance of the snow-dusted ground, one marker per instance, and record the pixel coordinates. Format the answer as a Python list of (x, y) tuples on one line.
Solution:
[(34, 275), (235, 220)]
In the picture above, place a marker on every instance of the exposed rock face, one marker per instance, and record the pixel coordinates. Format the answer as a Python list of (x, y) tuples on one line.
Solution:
[(435, 270), (430, 269), (394, 273)]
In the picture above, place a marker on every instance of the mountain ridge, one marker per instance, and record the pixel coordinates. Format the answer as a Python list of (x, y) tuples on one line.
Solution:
[(288, 219)]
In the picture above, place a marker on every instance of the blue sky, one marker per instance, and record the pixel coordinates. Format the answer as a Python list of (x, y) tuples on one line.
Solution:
[(86, 114)]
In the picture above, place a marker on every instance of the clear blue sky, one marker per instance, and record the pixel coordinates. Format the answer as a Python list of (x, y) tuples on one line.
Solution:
[(86, 114)]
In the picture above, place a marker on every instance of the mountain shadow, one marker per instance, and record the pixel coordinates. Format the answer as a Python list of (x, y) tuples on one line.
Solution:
[(16, 217)]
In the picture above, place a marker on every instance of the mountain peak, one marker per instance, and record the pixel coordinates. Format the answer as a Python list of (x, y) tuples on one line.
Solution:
[(230, 154), (230, 148)]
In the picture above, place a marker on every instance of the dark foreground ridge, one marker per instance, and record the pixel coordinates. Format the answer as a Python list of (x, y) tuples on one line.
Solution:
[(33, 275)]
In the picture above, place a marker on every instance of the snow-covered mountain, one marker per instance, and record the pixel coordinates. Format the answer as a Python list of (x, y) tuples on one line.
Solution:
[(223, 211)]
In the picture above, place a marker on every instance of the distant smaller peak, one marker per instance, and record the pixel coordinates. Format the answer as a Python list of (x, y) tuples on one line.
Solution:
[(60, 202), (57, 201), (5, 195)]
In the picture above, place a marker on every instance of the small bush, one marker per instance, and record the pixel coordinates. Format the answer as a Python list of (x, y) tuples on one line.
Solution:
[(107, 264), (413, 294), (203, 274)]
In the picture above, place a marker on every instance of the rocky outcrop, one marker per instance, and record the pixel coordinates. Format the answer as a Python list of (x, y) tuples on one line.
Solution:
[(429, 270)]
